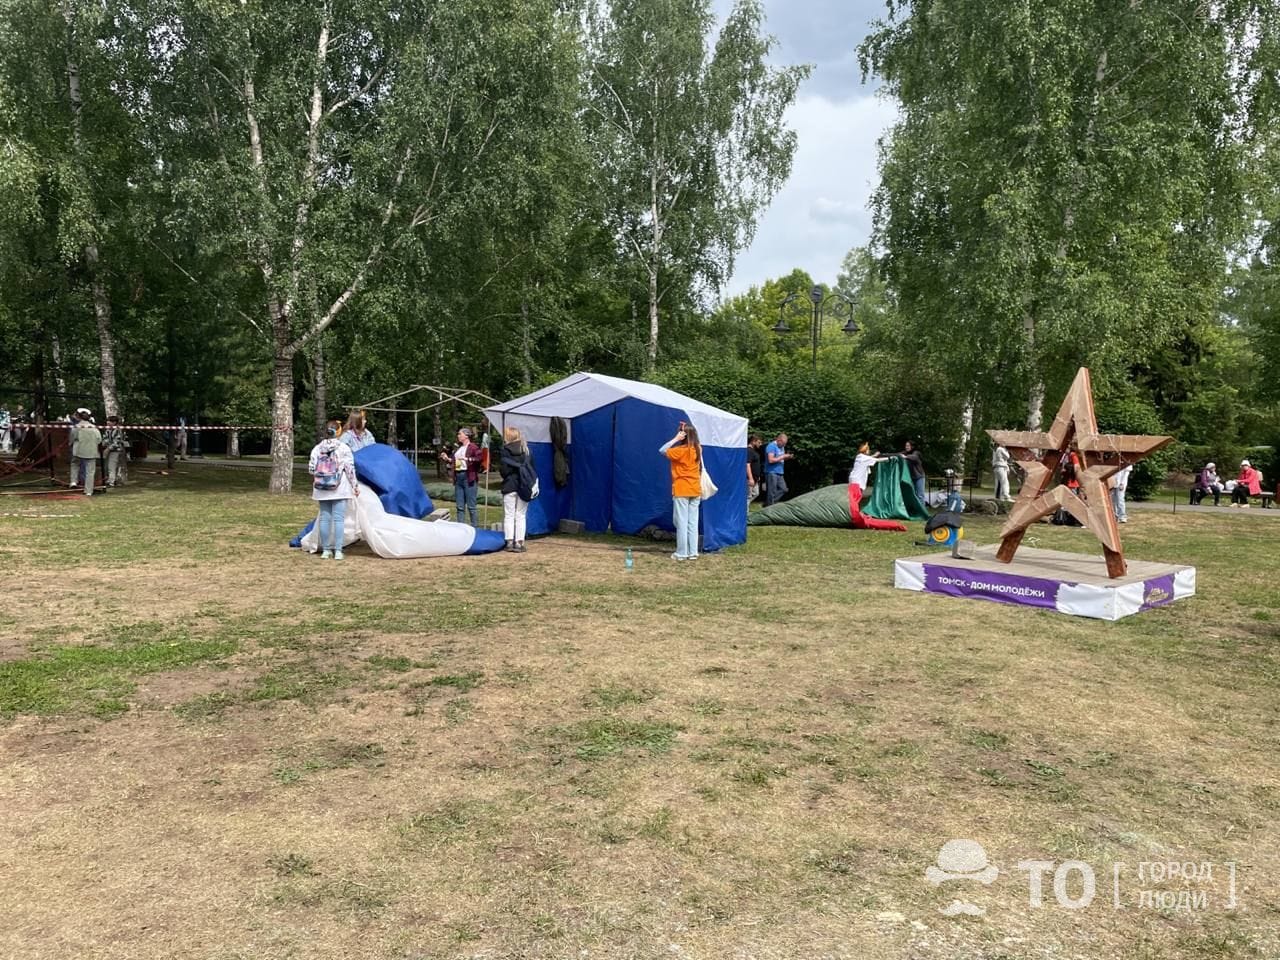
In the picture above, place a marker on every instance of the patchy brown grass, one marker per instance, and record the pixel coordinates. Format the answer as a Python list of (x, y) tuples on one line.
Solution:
[(756, 755)]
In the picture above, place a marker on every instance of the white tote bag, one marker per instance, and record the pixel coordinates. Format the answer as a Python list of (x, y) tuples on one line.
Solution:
[(709, 487)]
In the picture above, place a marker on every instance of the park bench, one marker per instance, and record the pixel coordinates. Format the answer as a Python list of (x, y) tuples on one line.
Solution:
[(1264, 498)]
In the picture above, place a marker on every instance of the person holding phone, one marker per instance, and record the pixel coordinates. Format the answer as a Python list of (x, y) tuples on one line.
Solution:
[(685, 453), (775, 458)]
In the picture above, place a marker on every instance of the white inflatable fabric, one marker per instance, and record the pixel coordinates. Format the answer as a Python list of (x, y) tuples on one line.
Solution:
[(396, 538)]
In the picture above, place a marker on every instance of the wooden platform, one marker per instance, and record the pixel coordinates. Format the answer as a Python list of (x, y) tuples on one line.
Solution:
[(1071, 583)]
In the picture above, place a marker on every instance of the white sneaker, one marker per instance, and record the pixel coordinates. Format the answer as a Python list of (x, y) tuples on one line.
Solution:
[(327, 555), (337, 555)]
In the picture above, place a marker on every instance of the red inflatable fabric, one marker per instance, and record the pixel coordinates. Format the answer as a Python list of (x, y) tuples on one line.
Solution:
[(861, 520)]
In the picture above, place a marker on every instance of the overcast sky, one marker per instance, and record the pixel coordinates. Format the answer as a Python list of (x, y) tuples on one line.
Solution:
[(822, 211)]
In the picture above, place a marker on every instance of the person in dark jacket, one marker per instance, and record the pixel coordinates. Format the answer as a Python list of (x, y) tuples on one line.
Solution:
[(1208, 483), (515, 454), (915, 466), (559, 451), (755, 467)]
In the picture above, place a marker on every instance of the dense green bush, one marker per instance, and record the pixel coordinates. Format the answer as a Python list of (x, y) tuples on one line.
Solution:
[(1133, 414), (826, 413), (822, 413)]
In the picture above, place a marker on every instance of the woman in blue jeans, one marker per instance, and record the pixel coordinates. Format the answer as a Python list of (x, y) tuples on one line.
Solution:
[(464, 464), (334, 468)]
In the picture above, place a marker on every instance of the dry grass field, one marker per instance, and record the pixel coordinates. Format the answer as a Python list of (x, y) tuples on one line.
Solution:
[(212, 746)]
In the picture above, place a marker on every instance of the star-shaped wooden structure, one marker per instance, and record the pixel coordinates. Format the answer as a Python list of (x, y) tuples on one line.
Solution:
[(1041, 453)]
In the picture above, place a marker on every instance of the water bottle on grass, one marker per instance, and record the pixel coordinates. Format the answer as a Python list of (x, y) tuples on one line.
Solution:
[(629, 563)]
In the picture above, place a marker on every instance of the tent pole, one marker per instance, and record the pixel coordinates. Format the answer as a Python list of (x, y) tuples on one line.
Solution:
[(415, 439), (488, 461)]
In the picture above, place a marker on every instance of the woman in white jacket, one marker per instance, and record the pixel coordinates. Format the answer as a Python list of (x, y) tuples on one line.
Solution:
[(334, 468)]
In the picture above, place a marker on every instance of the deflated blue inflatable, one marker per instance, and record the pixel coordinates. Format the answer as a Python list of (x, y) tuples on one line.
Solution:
[(395, 479), (389, 474)]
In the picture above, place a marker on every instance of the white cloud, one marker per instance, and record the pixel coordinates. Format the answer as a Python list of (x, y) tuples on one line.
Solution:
[(826, 210), (822, 211)]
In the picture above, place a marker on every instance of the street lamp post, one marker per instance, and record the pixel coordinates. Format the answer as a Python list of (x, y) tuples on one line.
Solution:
[(821, 302)]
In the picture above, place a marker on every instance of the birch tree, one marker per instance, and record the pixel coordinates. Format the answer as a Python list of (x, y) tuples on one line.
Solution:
[(334, 134), (691, 141), (76, 142), (1065, 180)]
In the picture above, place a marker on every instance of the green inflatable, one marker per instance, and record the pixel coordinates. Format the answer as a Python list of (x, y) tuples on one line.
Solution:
[(894, 495), (824, 507), (892, 498)]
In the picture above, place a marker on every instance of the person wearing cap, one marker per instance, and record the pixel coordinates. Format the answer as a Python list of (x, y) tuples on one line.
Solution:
[(464, 463), (84, 450), (1248, 484)]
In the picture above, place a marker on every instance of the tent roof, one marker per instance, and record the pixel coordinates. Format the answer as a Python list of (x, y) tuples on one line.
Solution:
[(583, 392)]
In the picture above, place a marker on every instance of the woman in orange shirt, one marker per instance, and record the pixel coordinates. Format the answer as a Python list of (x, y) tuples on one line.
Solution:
[(685, 454)]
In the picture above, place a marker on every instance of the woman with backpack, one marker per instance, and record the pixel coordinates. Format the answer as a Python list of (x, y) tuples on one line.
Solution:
[(333, 466), (685, 453), (515, 465)]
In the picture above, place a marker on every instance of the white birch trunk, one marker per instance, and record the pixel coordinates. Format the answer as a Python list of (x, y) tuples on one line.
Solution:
[(101, 299), (655, 248), (55, 349), (526, 356), (966, 434), (652, 364), (281, 424), (321, 392)]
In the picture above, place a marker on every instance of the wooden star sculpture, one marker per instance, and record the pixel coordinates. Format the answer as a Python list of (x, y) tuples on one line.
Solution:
[(1101, 455)]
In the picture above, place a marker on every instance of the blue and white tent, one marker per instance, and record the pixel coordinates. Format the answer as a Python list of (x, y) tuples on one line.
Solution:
[(618, 480)]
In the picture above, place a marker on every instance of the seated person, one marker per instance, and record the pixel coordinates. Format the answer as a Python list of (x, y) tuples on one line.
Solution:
[(954, 502), (1207, 483), (1248, 484)]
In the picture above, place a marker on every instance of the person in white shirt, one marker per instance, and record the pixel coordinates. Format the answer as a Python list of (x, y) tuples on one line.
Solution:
[(1119, 483), (1000, 467), (858, 477)]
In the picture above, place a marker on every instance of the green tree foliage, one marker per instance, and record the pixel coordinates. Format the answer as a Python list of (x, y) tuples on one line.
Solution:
[(331, 136), (826, 412), (689, 142), (1065, 180), (1127, 412)]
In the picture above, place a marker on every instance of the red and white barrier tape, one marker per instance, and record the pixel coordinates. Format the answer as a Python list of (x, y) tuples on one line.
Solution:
[(140, 426)]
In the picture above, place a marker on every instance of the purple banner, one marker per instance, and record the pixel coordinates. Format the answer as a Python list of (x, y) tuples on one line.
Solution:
[(1001, 587), (1157, 592)]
